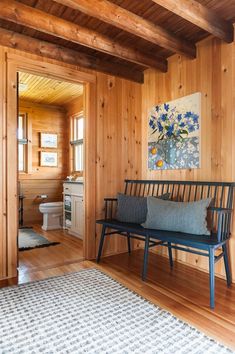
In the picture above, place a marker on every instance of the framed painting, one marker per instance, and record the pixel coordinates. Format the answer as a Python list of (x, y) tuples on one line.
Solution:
[(48, 140), (174, 134), (48, 159)]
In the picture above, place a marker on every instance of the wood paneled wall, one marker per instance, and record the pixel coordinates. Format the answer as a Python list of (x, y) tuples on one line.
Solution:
[(75, 106), (119, 129), (212, 74), (118, 142), (44, 180), (114, 131)]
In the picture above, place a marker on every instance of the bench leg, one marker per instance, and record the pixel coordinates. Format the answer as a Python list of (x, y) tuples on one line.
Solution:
[(170, 254), (101, 243), (226, 264), (146, 252), (129, 242), (212, 277)]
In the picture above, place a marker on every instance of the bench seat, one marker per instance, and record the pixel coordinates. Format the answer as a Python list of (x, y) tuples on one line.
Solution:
[(190, 240), (183, 191)]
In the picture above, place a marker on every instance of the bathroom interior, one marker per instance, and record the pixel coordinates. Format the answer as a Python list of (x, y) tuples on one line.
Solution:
[(50, 172)]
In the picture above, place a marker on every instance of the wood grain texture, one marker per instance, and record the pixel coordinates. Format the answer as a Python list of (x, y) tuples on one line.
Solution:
[(38, 20), (70, 250), (128, 21), (183, 291), (145, 8), (104, 137), (201, 16), (44, 180), (47, 91), (12, 39), (212, 74), (118, 142), (2, 166)]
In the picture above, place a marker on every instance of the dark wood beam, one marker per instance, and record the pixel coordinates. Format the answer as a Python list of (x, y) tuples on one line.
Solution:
[(200, 16), (30, 17), (132, 23), (49, 50)]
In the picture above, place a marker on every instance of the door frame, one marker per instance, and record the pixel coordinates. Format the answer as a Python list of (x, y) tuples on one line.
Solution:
[(14, 64)]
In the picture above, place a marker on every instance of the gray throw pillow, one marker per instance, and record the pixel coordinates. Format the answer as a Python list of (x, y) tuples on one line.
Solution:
[(178, 216), (133, 209)]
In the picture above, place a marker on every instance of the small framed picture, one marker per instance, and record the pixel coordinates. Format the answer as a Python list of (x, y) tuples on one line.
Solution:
[(49, 140), (48, 159)]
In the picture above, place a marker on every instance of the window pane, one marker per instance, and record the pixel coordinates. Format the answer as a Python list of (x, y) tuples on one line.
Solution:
[(78, 157), (20, 127), (80, 129), (21, 157)]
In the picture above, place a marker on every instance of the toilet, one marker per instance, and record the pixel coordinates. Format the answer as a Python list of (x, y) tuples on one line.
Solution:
[(52, 215)]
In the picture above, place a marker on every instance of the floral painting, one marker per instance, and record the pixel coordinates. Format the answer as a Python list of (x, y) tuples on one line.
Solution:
[(174, 134)]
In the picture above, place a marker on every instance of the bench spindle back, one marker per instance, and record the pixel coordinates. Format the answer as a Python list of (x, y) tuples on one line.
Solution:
[(186, 191)]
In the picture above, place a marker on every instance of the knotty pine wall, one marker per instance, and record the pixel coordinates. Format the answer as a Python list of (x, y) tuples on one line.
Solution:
[(118, 146), (121, 128), (212, 74), (44, 180)]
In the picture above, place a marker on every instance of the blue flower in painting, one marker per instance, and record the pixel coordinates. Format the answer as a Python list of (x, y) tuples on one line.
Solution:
[(179, 117), (166, 107), (188, 114), (164, 117), (168, 122), (170, 130), (160, 127), (152, 124), (195, 118), (191, 128)]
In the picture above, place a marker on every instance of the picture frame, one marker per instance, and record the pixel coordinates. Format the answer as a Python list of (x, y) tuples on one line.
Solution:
[(49, 140), (48, 159)]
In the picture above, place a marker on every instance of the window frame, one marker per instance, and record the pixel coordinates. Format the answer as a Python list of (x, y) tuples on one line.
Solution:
[(23, 141), (74, 142)]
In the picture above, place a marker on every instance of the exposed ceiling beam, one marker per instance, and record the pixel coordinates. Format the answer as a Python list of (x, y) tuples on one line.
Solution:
[(132, 23), (200, 16), (30, 17), (49, 50)]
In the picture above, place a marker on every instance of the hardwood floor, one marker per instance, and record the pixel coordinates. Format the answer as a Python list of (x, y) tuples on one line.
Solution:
[(70, 250), (183, 291)]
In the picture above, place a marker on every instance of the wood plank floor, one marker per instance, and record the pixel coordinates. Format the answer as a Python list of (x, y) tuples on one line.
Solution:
[(70, 250), (183, 291)]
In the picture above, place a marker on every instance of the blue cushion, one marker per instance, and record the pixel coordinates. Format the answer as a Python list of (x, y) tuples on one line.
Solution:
[(133, 209), (178, 216)]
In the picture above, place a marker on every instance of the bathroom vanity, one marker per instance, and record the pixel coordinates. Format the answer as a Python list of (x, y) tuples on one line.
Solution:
[(73, 210)]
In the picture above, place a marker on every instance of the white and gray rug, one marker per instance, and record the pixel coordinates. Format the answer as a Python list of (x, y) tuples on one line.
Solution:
[(88, 312)]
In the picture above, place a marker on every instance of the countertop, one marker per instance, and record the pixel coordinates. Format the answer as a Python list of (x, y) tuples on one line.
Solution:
[(73, 182)]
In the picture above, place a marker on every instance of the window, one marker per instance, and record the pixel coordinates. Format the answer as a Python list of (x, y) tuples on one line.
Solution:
[(77, 142), (22, 142)]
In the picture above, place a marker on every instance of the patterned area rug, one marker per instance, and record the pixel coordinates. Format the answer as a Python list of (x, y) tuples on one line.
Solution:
[(89, 312), (29, 239)]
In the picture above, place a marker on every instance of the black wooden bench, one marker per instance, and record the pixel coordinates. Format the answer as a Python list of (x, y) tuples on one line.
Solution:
[(221, 214)]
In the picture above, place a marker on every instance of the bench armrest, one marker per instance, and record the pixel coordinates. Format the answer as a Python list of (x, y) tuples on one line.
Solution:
[(223, 218), (110, 199), (110, 205)]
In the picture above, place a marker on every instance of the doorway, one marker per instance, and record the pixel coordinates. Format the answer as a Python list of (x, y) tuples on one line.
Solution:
[(68, 75), (50, 172)]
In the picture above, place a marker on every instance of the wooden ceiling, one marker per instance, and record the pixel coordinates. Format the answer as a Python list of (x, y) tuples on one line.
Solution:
[(120, 37), (48, 91)]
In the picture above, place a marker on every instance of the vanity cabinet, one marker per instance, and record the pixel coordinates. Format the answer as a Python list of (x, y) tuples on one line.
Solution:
[(73, 208)]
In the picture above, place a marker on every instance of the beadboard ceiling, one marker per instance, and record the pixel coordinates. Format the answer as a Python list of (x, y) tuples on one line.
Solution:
[(48, 91)]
